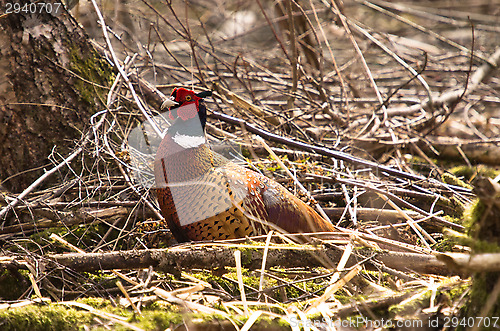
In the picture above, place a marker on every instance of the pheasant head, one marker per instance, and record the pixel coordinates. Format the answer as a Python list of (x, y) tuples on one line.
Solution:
[(188, 106)]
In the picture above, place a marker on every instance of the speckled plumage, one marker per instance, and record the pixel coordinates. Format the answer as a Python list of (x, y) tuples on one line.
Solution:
[(204, 196)]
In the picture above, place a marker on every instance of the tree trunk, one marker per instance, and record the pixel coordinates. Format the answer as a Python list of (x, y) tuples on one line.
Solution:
[(485, 229), (52, 82)]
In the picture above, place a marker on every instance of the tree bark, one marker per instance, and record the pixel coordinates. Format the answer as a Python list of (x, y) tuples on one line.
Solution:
[(484, 300), (53, 81)]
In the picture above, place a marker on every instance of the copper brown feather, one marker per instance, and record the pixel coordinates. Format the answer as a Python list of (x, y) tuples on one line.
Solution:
[(204, 196)]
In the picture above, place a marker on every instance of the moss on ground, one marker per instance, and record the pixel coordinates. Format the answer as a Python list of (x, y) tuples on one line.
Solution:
[(43, 318), (59, 317), (469, 173), (451, 179), (157, 316)]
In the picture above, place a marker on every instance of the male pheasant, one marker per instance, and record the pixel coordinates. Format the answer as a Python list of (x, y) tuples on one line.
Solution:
[(204, 196)]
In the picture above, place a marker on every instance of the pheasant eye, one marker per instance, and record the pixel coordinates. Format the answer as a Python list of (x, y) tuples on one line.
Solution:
[(188, 98)]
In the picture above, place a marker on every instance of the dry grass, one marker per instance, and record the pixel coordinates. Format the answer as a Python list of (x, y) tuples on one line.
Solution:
[(408, 86)]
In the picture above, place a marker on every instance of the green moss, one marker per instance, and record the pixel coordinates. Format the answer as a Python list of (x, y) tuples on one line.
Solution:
[(249, 278), (84, 235), (267, 323), (456, 220), (248, 255), (42, 237), (449, 178), (229, 282), (469, 173), (344, 297), (154, 318), (445, 245), (450, 238), (420, 164), (457, 291), (472, 214), (43, 318), (245, 152), (412, 306), (472, 221), (477, 245), (97, 303), (90, 69), (59, 317)]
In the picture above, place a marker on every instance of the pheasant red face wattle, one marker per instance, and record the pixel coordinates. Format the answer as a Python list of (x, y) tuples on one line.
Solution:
[(188, 104), (204, 196)]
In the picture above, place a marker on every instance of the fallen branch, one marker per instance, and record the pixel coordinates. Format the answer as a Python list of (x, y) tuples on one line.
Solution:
[(203, 256), (54, 218), (488, 262)]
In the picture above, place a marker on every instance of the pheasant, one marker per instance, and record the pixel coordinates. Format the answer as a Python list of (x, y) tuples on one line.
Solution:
[(205, 196)]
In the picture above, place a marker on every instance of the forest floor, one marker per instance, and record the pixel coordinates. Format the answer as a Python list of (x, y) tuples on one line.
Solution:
[(396, 106)]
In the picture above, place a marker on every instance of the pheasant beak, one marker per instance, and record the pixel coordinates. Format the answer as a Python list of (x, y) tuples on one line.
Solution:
[(168, 102), (203, 94)]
